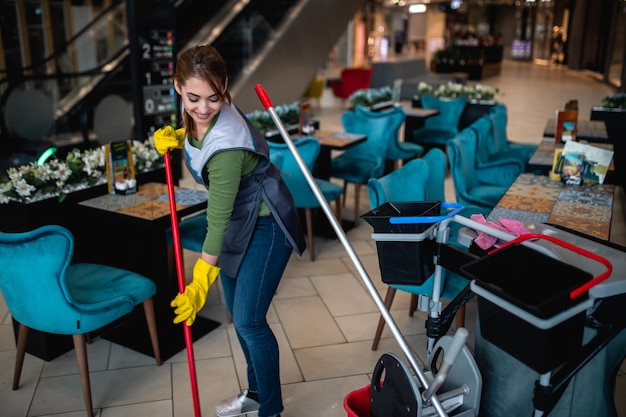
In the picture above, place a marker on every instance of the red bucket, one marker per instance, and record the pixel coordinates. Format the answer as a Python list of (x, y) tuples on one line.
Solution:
[(357, 403)]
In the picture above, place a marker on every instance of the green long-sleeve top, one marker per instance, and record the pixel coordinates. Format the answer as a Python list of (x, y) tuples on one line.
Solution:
[(225, 170)]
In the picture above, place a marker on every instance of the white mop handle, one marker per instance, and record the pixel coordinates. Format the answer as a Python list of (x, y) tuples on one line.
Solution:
[(449, 357), (406, 349), (457, 344)]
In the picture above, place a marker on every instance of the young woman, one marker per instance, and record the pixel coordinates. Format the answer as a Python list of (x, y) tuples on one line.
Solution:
[(253, 224)]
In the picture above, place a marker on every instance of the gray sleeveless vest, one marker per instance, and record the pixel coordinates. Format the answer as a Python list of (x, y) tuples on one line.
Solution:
[(233, 130)]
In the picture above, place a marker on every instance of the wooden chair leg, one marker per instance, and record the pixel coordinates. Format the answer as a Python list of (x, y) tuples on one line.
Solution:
[(22, 335), (309, 232), (345, 192), (148, 308), (391, 292), (357, 192), (413, 306), (338, 212), (80, 347), (459, 318)]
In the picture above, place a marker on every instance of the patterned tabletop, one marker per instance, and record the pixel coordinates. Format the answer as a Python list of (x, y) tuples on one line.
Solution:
[(584, 208), (151, 201)]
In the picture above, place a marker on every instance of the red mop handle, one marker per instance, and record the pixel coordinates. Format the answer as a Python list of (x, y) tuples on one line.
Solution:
[(180, 271), (265, 99), (586, 286)]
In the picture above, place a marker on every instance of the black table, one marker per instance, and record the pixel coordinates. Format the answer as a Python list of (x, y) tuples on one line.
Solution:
[(130, 232), (588, 130), (330, 141)]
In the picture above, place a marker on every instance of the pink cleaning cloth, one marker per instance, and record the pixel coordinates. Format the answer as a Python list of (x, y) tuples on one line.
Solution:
[(512, 227)]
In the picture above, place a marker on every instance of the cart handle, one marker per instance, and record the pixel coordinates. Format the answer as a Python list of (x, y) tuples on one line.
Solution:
[(456, 208), (576, 292)]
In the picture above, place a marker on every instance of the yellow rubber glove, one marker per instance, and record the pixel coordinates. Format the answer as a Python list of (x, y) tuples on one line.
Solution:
[(167, 139), (192, 300)]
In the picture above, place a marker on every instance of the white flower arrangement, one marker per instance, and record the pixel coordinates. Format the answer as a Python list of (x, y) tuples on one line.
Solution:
[(368, 97), (473, 93), (80, 170)]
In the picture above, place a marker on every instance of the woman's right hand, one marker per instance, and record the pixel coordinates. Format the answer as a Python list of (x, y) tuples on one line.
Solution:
[(167, 139)]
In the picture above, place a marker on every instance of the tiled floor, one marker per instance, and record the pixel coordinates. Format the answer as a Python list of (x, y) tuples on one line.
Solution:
[(322, 315)]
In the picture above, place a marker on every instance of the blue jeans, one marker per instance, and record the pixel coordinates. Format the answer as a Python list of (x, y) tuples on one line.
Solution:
[(248, 297)]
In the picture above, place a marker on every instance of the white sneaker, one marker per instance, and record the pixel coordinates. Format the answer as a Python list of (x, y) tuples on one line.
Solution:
[(237, 406)]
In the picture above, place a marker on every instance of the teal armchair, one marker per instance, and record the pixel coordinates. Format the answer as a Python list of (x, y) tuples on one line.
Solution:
[(468, 188), (440, 129), (501, 142), (44, 291), (417, 180), (366, 160), (309, 148), (397, 150), (497, 168)]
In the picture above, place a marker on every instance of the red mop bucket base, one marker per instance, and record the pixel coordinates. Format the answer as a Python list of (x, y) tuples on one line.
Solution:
[(357, 403)]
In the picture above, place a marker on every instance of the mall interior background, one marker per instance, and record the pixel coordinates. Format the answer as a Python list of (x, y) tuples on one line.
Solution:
[(77, 52)]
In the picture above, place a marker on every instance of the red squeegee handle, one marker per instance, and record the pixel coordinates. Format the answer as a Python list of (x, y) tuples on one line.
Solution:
[(587, 285)]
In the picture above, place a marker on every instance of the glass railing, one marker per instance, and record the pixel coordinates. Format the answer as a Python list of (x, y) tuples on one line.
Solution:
[(92, 48), (94, 60)]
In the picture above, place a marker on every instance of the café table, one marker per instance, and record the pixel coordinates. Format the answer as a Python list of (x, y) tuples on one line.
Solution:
[(542, 159), (589, 130), (333, 141), (129, 231), (586, 208)]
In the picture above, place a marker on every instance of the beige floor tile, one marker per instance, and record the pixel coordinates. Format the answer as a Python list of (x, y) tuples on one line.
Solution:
[(320, 398), (216, 380), (343, 295), (152, 409), (307, 322)]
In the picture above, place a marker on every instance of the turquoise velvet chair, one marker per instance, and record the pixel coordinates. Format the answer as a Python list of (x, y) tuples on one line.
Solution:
[(440, 129), (45, 292), (469, 190), (366, 160), (397, 150), (499, 119), (308, 148), (417, 180), (497, 168)]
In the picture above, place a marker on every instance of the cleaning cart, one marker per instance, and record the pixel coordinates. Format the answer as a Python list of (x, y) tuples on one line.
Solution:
[(551, 308), (553, 320)]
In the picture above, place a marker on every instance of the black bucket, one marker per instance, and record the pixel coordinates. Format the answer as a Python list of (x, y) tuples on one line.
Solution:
[(404, 263), (539, 285)]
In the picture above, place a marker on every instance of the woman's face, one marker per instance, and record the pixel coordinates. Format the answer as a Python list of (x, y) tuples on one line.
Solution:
[(200, 102)]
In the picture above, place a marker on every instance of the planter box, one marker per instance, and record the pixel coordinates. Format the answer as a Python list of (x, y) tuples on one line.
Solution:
[(615, 121), (474, 71)]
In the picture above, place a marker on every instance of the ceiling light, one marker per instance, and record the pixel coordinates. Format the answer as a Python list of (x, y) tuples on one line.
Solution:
[(417, 8)]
